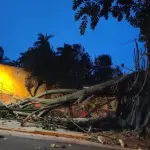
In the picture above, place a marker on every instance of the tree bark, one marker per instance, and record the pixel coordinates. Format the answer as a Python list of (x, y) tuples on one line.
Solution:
[(93, 90), (57, 91), (99, 106), (36, 88)]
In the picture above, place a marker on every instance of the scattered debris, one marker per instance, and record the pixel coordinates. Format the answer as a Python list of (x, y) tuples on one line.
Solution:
[(37, 147), (54, 146), (101, 139), (69, 145), (2, 137), (121, 142), (63, 146), (88, 110)]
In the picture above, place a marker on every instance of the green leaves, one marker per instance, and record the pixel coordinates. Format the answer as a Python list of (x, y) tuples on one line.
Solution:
[(43, 39), (80, 13), (83, 25), (135, 12), (76, 4), (87, 10), (90, 9), (120, 17)]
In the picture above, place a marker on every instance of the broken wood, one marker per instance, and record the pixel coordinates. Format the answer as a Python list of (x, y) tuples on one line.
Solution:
[(93, 90), (98, 107), (21, 113), (27, 100), (39, 110)]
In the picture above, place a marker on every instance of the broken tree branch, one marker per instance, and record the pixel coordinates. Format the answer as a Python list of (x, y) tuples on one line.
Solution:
[(99, 106), (57, 91), (93, 90)]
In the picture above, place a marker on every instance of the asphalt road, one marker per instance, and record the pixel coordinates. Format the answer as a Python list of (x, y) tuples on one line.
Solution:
[(17, 143)]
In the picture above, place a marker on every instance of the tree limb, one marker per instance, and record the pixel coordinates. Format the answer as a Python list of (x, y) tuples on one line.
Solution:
[(93, 90)]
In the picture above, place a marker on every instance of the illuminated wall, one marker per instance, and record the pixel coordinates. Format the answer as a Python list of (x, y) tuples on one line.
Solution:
[(12, 84)]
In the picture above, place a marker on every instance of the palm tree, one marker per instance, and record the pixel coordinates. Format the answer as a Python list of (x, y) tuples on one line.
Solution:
[(43, 39)]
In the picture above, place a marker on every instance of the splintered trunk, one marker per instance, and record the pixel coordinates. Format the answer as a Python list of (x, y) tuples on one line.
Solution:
[(146, 124), (139, 116)]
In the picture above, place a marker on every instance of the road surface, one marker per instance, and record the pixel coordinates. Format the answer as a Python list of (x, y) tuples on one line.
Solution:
[(18, 143)]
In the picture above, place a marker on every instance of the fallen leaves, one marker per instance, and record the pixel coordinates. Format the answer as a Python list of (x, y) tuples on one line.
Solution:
[(3, 137), (101, 139), (37, 147), (121, 143), (54, 146), (124, 139), (58, 146)]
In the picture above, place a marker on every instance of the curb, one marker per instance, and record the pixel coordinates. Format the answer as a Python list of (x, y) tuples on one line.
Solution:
[(55, 136), (50, 133)]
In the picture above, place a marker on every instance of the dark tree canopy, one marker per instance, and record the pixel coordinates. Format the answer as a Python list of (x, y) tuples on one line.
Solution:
[(1, 55), (5, 60), (70, 66), (103, 69), (75, 64), (134, 11), (39, 59)]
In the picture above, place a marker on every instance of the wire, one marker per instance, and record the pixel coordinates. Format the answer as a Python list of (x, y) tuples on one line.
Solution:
[(128, 42)]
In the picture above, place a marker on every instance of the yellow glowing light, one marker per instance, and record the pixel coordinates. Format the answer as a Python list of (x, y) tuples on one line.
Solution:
[(6, 83), (12, 84)]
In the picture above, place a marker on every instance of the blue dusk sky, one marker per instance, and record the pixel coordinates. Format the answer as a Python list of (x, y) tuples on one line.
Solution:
[(22, 20)]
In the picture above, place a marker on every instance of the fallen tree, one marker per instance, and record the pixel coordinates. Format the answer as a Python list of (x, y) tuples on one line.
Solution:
[(57, 91), (122, 89), (80, 95), (87, 124), (83, 94)]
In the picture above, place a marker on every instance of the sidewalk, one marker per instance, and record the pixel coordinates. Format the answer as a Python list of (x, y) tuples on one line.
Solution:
[(13, 128)]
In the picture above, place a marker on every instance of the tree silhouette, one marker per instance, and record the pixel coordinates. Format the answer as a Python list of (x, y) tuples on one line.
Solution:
[(1, 54), (43, 40), (74, 65), (5, 60), (39, 60), (135, 12), (103, 69)]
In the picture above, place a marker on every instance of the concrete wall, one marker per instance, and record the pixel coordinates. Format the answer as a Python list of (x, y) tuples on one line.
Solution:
[(12, 84)]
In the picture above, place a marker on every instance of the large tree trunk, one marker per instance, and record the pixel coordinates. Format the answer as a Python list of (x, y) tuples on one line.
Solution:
[(93, 90), (147, 117), (80, 124), (141, 116), (57, 91)]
